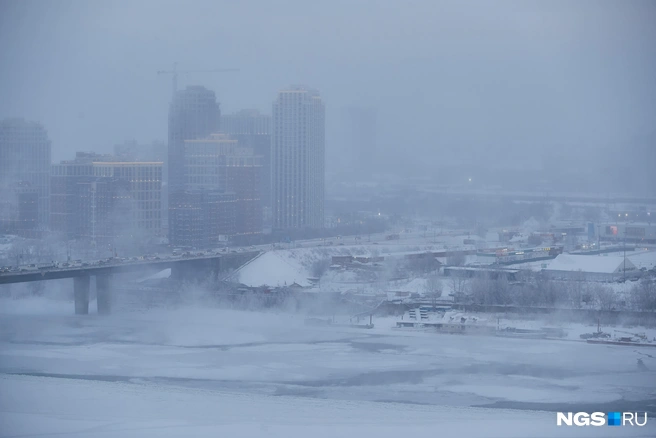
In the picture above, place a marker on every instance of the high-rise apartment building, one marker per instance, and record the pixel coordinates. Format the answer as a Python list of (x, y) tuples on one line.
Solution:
[(202, 218), (247, 121), (194, 113), (102, 198), (25, 158), (19, 210), (298, 159), (219, 163), (206, 160), (253, 129), (157, 151)]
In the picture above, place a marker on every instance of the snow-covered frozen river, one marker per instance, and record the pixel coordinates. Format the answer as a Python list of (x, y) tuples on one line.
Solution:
[(200, 371)]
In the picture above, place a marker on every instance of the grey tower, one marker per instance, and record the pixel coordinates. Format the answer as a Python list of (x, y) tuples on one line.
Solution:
[(194, 113), (298, 159), (253, 129), (25, 158)]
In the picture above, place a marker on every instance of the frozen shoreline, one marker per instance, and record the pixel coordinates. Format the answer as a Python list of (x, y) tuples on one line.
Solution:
[(157, 371)]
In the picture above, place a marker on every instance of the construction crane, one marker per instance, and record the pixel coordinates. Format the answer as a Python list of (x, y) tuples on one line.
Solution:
[(175, 72)]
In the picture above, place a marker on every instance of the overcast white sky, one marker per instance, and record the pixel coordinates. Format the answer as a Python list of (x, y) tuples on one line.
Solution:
[(494, 77)]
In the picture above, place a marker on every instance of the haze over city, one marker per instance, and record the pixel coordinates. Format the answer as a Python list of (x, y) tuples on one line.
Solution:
[(511, 83), (327, 218)]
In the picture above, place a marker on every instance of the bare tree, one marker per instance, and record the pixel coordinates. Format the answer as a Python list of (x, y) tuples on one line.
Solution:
[(643, 295), (490, 291), (319, 267), (524, 294), (422, 265), (606, 298), (458, 285), (433, 289), (480, 290), (547, 292), (455, 259), (577, 289)]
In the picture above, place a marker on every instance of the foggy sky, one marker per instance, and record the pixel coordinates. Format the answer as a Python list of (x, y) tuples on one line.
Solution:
[(503, 78)]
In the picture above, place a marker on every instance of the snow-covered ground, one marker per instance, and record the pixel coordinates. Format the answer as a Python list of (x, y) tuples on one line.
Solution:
[(275, 268), (643, 258), (204, 371), (286, 266), (572, 330), (118, 409)]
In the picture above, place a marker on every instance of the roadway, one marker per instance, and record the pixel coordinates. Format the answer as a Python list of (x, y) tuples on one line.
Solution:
[(118, 266)]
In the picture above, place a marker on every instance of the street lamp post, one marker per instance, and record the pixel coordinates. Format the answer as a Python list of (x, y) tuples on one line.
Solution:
[(625, 254), (626, 216), (599, 238)]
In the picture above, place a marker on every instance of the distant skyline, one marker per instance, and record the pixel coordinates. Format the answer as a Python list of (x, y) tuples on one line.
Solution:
[(484, 82)]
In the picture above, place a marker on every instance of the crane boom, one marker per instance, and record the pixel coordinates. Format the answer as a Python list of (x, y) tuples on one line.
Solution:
[(175, 72)]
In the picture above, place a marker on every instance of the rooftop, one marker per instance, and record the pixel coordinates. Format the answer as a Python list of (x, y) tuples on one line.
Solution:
[(590, 263)]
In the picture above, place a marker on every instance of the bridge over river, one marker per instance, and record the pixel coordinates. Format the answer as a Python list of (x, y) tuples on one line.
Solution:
[(193, 267)]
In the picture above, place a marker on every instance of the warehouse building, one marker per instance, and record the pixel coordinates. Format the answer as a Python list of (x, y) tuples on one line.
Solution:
[(590, 268)]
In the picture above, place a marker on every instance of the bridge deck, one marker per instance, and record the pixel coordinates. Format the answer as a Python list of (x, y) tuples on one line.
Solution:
[(123, 267)]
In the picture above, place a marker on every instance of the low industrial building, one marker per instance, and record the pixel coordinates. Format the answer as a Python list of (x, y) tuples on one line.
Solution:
[(590, 268), (634, 232)]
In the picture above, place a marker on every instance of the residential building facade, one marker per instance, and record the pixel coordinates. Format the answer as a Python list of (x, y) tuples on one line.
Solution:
[(219, 163), (100, 198), (253, 129), (202, 218), (194, 113), (19, 210), (25, 158), (298, 159)]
